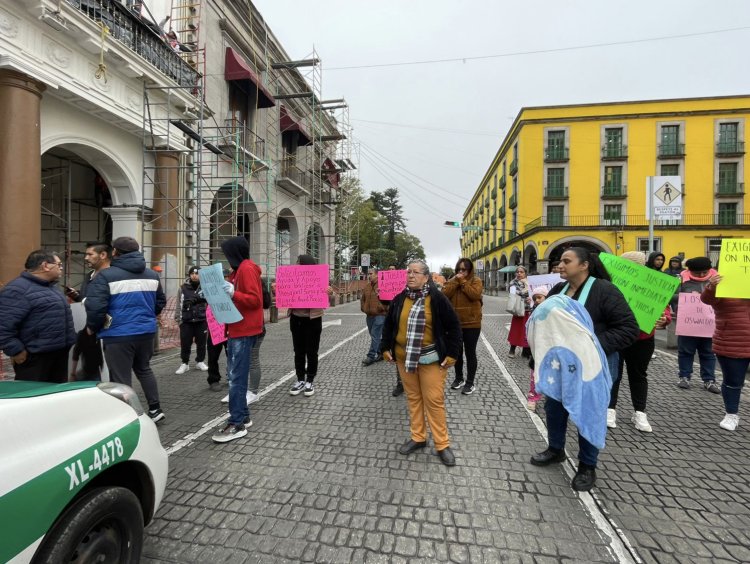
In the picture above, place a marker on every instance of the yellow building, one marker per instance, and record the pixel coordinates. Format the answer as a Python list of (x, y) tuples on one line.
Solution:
[(577, 175)]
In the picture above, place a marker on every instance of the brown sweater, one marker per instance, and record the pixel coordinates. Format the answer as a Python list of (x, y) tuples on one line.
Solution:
[(369, 303), (466, 298)]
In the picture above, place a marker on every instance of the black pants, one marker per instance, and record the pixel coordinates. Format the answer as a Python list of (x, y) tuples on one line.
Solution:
[(214, 353), (126, 357), (189, 332), (306, 342), (468, 347), (636, 358), (50, 366)]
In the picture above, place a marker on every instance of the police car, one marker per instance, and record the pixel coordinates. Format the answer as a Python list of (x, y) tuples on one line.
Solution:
[(82, 471)]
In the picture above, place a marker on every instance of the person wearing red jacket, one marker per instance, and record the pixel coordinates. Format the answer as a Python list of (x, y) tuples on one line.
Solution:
[(730, 343), (636, 358), (245, 289)]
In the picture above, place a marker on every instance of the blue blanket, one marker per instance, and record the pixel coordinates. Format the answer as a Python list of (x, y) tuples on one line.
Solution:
[(571, 366)]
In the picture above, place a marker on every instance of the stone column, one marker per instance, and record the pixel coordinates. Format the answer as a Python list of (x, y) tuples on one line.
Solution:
[(166, 227), (20, 171)]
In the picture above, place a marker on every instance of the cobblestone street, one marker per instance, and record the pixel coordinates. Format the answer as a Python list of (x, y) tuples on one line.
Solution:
[(319, 479)]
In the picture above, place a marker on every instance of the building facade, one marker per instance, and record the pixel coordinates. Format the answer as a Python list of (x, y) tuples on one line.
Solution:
[(177, 123), (577, 175)]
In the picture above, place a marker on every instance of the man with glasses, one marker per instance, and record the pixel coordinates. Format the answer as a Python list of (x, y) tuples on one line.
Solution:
[(36, 328)]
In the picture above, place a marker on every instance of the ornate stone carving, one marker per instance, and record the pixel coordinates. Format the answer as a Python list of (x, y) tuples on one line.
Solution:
[(9, 24), (58, 55)]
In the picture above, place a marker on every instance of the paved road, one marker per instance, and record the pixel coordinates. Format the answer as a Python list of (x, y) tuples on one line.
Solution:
[(319, 479)]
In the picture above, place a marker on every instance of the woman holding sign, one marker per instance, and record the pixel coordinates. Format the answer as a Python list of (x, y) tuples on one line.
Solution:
[(731, 338), (422, 335), (517, 334), (588, 282)]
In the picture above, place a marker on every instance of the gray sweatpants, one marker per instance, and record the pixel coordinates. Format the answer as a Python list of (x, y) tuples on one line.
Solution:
[(126, 357)]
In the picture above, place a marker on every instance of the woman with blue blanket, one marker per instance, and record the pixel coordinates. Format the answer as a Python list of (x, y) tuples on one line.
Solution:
[(587, 281)]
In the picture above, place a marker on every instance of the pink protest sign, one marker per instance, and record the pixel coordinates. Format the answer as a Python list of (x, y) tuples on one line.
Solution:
[(216, 330), (391, 283), (694, 318), (302, 286)]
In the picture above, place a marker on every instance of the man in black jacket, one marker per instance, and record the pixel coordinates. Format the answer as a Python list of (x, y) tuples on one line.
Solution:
[(191, 315)]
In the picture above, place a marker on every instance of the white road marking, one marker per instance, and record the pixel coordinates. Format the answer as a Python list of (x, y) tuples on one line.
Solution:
[(213, 423), (332, 322), (618, 542)]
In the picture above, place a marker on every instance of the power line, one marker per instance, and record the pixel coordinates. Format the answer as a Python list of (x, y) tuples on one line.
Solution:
[(542, 51), (439, 129)]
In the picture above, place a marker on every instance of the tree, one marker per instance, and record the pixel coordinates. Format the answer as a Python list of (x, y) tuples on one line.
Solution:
[(408, 248), (381, 257), (447, 272), (386, 203)]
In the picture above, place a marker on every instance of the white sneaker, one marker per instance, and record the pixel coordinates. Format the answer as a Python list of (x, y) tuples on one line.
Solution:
[(612, 418), (251, 397), (225, 399), (640, 421), (202, 366), (182, 369), (730, 421)]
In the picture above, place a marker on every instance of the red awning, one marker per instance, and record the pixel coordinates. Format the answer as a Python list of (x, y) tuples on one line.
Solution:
[(236, 68), (287, 123), (333, 177)]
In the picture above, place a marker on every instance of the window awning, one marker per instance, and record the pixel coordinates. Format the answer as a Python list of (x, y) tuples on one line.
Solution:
[(288, 123), (333, 176), (236, 68)]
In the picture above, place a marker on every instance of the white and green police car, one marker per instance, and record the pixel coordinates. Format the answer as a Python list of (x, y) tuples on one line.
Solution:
[(82, 471)]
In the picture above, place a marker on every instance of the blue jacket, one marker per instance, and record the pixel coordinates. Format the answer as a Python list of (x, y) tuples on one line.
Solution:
[(35, 317), (131, 295)]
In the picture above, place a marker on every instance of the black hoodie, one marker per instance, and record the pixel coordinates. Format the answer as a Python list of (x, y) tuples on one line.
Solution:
[(674, 271), (236, 250), (652, 258)]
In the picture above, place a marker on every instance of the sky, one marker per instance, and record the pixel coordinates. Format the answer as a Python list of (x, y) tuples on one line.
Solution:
[(432, 129)]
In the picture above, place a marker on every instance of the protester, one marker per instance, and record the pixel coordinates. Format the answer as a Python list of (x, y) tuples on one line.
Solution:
[(398, 389), (655, 261), (306, 326), (587, 281), (375, 311), (125, 320), (694, 280), (191, 315), (636, 357), (730, 343), (464, 290), (675, 267), (245, 289), (517, 333), (538, 295), (422, 335), (214, 353), (36, 325)]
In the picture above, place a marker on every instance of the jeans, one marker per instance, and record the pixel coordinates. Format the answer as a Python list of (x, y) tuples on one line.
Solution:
[(636, 357), (686, 348), (734, 370), (135, 355), (468, 347), (375, 325), (557, 425), (239, 351), (189, 332), (306, 341), (254, 385)]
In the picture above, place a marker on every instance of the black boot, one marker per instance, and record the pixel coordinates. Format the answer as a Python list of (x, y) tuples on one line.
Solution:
[(585, 478), (547, 457)]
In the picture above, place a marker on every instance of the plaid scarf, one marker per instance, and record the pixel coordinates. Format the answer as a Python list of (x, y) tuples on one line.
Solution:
[(415, 327)]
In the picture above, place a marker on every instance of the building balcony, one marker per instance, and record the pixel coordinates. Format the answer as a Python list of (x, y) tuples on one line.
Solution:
[(595, 222), (671, 150), (493, 193), (501, 212), (513, 167), (555, 155), (730, 189), (503, 181), (141, 37), (294, 180), (242, 145), (556, 193), (513, 201), (487, 203), (614, 152), (614, 192), (493, 219), (730, 148)]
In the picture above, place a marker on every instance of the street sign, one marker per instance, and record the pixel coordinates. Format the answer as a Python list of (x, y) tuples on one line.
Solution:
[(480, 264), (365, 260), (665, 197)]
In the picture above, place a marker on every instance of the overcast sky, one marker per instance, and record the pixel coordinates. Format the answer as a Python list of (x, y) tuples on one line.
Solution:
[(432, 129)]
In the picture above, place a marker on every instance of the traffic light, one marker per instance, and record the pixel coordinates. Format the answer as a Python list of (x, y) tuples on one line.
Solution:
[(453, 223)]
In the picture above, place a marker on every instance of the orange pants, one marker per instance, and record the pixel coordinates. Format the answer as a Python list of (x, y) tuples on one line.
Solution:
[(425, 395)]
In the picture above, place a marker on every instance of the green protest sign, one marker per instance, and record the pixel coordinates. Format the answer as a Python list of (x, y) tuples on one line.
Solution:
[(647, 291)]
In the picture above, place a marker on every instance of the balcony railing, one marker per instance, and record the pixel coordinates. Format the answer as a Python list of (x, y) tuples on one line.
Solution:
[(501, 211), (513, 167), (237, 133), (556, 154), (487, 203), (503, 181), (295, 180), (614, 152), (596, 221), (493, 193), (671, 150), (556, 192), (614, 191), (730, 189), (140, 37), (493, 219), (513, 201), (730, 148), (728, 218)]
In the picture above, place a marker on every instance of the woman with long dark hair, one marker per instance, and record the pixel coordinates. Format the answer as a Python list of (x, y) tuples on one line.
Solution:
[(587, 281), (517, 334), (464, 290)]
